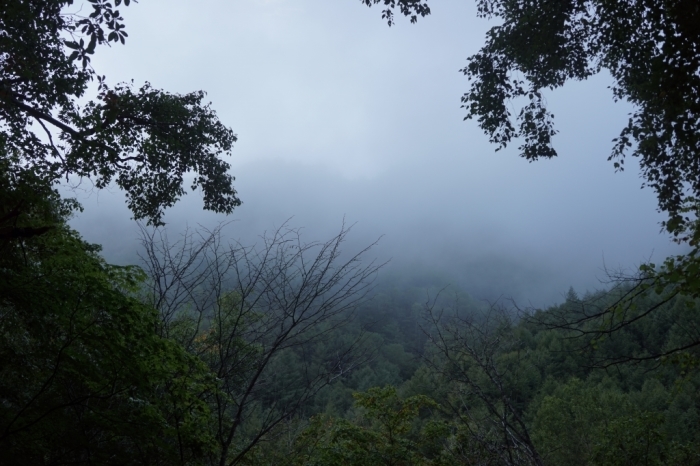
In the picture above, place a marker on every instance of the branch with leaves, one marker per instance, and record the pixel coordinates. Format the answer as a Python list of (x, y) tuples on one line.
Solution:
[(145, 140)]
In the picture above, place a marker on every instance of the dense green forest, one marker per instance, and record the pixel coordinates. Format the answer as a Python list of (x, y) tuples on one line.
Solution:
[(300, 352), (290, 352)]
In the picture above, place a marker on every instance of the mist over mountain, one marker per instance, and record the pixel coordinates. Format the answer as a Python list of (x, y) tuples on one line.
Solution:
[(340, 117), (511, 244)]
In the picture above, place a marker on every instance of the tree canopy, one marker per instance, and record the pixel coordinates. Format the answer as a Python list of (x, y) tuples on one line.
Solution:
[(652, 50), (143, 139)]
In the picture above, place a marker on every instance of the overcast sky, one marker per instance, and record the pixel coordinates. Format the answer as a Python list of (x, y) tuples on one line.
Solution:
[(339, 115)]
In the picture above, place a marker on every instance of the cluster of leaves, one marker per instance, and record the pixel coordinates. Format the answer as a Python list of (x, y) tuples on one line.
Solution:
[(144, 140), (382, 433), (652, 51), (84, 377), (410, 8)]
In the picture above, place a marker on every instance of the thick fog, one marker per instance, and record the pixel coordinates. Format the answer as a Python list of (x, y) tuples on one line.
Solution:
[(341, 117)]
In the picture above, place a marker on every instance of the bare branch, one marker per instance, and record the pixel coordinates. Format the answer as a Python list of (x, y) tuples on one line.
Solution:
[(244, 309)]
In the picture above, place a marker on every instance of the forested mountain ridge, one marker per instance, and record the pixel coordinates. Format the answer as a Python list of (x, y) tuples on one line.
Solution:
[(241, 360), (511, 388)]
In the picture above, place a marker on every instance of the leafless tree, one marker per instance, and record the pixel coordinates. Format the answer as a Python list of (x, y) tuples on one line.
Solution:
[(253, 315), (467, 353)]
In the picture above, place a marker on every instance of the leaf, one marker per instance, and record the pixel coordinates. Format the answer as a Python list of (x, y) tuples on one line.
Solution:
[(91, 46)]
